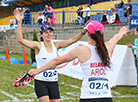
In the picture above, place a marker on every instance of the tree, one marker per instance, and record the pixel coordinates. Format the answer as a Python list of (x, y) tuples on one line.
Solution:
[(32, 51)]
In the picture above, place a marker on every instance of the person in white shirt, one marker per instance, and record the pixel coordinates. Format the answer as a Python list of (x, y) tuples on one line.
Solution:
[(88, 14), (114, 18), (95, 62), (46, 83)]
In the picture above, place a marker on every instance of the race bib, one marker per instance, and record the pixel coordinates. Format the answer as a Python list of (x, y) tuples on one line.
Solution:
[(98, 85), (50, 75)]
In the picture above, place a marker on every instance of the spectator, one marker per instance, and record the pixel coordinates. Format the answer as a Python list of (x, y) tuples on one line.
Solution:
[(90, 2), (114, 18), (128, 11), (40, 18), (11, 22), (88, 15), (105, 18), (45, 13), (135, 48), (117, 5), (51, 15), (129, 8), (79, 15), (121, 4), (27, 16)]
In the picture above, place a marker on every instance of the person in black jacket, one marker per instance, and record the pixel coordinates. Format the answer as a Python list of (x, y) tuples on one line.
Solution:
[(121, 4), (105, 18)]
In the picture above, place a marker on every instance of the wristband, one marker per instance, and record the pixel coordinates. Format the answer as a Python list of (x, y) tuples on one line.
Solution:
[(82, 33)]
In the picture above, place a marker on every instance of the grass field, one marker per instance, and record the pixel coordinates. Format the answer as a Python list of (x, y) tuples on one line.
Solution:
[(69, 87)]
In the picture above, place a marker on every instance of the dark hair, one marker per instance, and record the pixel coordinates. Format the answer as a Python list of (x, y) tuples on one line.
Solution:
[(89, 6), (41, 38), (101, 48), (137, 29)]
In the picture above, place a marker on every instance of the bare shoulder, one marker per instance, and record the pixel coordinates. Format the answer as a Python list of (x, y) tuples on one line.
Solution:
[(83, 49), (37, 44)]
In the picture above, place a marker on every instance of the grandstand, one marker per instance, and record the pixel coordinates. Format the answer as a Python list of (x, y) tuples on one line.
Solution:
[(69, 9)]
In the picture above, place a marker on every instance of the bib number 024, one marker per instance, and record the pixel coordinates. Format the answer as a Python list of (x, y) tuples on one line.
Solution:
[(98, 85), (50, 73)]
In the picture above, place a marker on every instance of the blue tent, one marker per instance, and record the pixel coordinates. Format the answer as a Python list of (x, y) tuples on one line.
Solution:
[(19, 62)]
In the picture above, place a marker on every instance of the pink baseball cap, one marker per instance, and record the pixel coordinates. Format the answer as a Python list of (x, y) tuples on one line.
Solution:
[(93, 26)]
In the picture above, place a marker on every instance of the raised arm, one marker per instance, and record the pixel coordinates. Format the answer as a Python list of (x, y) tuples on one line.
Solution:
[(19, 16), (112, 42), (65, 43)]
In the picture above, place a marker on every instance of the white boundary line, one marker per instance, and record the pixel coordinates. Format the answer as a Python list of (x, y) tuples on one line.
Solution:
[(9, 95), (30, 85), (77, 87)]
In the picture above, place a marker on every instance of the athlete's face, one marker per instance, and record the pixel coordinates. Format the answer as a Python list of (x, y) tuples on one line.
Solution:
[(47, 35)]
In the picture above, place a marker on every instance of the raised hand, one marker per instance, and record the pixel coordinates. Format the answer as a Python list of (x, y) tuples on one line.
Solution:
[(19, 16), (123, 30)]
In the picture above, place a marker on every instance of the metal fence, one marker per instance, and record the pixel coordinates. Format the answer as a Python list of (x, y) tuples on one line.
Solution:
[(68, 17)]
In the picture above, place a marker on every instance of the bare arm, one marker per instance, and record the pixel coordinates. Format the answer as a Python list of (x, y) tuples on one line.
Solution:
[(112, 42), (27, 43), (65, 43), (56, 61)]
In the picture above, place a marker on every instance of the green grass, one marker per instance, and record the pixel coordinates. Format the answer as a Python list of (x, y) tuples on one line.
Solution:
[(68, 93)]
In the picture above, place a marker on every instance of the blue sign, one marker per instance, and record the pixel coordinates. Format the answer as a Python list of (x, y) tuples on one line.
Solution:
[(133, 22)]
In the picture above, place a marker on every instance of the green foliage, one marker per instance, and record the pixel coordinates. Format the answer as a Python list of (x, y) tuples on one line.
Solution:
[(32, 52), (130, 38)]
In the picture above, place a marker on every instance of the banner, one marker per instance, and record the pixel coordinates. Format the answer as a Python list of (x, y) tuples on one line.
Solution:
[(133, 22), (6, 27), (123, 71)]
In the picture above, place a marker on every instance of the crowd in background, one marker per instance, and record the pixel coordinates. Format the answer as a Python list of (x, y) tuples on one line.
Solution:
[(106, 18), (48, 14)]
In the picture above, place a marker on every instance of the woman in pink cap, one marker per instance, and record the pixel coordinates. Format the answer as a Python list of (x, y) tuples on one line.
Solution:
[(95, 62)]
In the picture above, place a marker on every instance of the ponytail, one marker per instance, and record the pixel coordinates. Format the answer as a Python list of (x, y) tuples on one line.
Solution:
[(101, 48)]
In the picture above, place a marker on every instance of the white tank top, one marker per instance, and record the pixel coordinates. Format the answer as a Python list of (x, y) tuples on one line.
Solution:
[(42, 58), (95, 81)]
